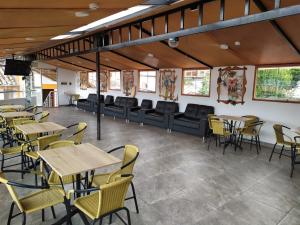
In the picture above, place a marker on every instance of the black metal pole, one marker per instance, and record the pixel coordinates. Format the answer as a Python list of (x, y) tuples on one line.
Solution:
[(98, 95)]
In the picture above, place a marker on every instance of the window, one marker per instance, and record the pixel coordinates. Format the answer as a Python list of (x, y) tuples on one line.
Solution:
[(147, 81), (115, 80), (92, 79), (277, 84), (196, 82)]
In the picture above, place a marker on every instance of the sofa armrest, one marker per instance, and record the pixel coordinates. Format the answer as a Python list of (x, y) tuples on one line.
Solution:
[(108, 104), (177, 115), (81, 100)]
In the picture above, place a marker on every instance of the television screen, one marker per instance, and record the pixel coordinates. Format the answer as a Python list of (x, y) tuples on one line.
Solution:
[(17, 67)]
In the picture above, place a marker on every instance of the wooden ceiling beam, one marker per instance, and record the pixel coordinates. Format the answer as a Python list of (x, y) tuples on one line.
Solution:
[(73, 64), (176, 49), (101, 64), (134, 60), (277, 27)]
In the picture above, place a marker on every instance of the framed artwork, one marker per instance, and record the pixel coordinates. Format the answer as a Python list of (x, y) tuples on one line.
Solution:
[(232, 85), (128, 82), (84, 80), (103, 80), (167, 79)]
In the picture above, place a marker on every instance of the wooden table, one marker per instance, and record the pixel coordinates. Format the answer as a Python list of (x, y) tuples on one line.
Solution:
[(12, 115), (38, 128), (16, 107), (74, 160), (71, 96)]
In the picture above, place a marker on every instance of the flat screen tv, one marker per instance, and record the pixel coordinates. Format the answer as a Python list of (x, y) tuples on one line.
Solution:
[(17, 67)]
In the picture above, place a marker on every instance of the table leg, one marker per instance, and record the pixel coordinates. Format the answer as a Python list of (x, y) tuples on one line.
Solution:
[(78, 184)]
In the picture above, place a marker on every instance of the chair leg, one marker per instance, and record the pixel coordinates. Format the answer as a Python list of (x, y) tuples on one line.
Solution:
[(272, 152), (24, 219), (224, 145), (43, 215), (84, 219), (258, 138), (256, 144), (134, 197), (128, 216), (22, 165), (10, 213), (281, 151), (292, 161), (2, 162), (53, 212), (67, 205), (100, 221), (110, 218), (251, 143)]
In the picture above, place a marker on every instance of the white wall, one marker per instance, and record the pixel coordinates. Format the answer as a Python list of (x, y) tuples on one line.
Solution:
[(270, 112)]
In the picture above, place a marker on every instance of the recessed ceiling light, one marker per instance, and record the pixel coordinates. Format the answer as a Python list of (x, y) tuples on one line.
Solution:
[(8, 49), (150, 55), (79, 62), (64, 36), (107, 59), (116, 16), (224, 46), (93, 6), (237, 43), (29, 39), (81, 14)]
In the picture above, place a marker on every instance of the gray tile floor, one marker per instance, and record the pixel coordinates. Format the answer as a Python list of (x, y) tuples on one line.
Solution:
[(180, 182)]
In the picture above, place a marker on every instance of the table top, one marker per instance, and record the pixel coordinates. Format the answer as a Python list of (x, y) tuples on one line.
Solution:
[(8, 115), (234, 118), (71, 94), (77, 159), (37, 128), (17, 107)]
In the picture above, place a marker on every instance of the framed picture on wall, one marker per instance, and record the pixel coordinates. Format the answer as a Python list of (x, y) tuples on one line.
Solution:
[(128, 82), (103, 80), (84, 80), (167, 79), (231, 85)]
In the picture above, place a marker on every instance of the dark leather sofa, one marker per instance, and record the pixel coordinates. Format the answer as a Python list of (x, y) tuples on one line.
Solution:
[(109, 100), (135, 113), (89, 104), (193, 120), (119, 107), (160, 115)]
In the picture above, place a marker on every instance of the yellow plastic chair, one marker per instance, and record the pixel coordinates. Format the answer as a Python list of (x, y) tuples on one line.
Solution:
[(9, 110), (39, 200), (44, 116), (220, 130), (19, 121), (32, 109), (106, 201), (130, 156), (251, 129), (79, 133), (282, 139), (295, 154)]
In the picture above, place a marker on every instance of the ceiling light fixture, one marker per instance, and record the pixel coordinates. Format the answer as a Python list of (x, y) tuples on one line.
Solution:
[(64, 36), (173, 42), (116, 16), (224, 46), (29, 39), (150, 55), (93, 6), (81, 14), (237, 43)]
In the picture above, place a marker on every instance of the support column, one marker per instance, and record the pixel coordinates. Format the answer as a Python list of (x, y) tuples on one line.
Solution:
[(98, 81)]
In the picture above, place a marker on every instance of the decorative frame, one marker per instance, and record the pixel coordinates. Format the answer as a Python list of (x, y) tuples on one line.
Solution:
[(128, 82), (167, 79), (232, 83), (103, 80), (84, 80)]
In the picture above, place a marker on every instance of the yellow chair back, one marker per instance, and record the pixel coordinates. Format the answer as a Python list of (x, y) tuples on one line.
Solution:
[(218, 127), (44, 117), (112, 195), (11, 191), (45, 141), (79, 134), (61, 143), (278, 133), (211, 117), (130, 153)]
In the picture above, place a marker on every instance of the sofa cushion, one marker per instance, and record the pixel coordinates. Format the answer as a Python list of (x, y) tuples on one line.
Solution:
[(131, 102), (109, 99), (155, 116), (195, 111), (114, 108), (160, 107), (146, 104), (187, 122), (171, 107), (191, 111)]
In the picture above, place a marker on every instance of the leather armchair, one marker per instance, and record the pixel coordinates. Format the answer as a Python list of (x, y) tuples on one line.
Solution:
[(193, 121), (119, 108), (89, 104), (160, 115), (109, 100), (135, 113)]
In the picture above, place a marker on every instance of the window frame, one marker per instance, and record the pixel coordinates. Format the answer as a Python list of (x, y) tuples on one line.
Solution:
[(139, 75), (254, 83), (195, 95), (114, 89)]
